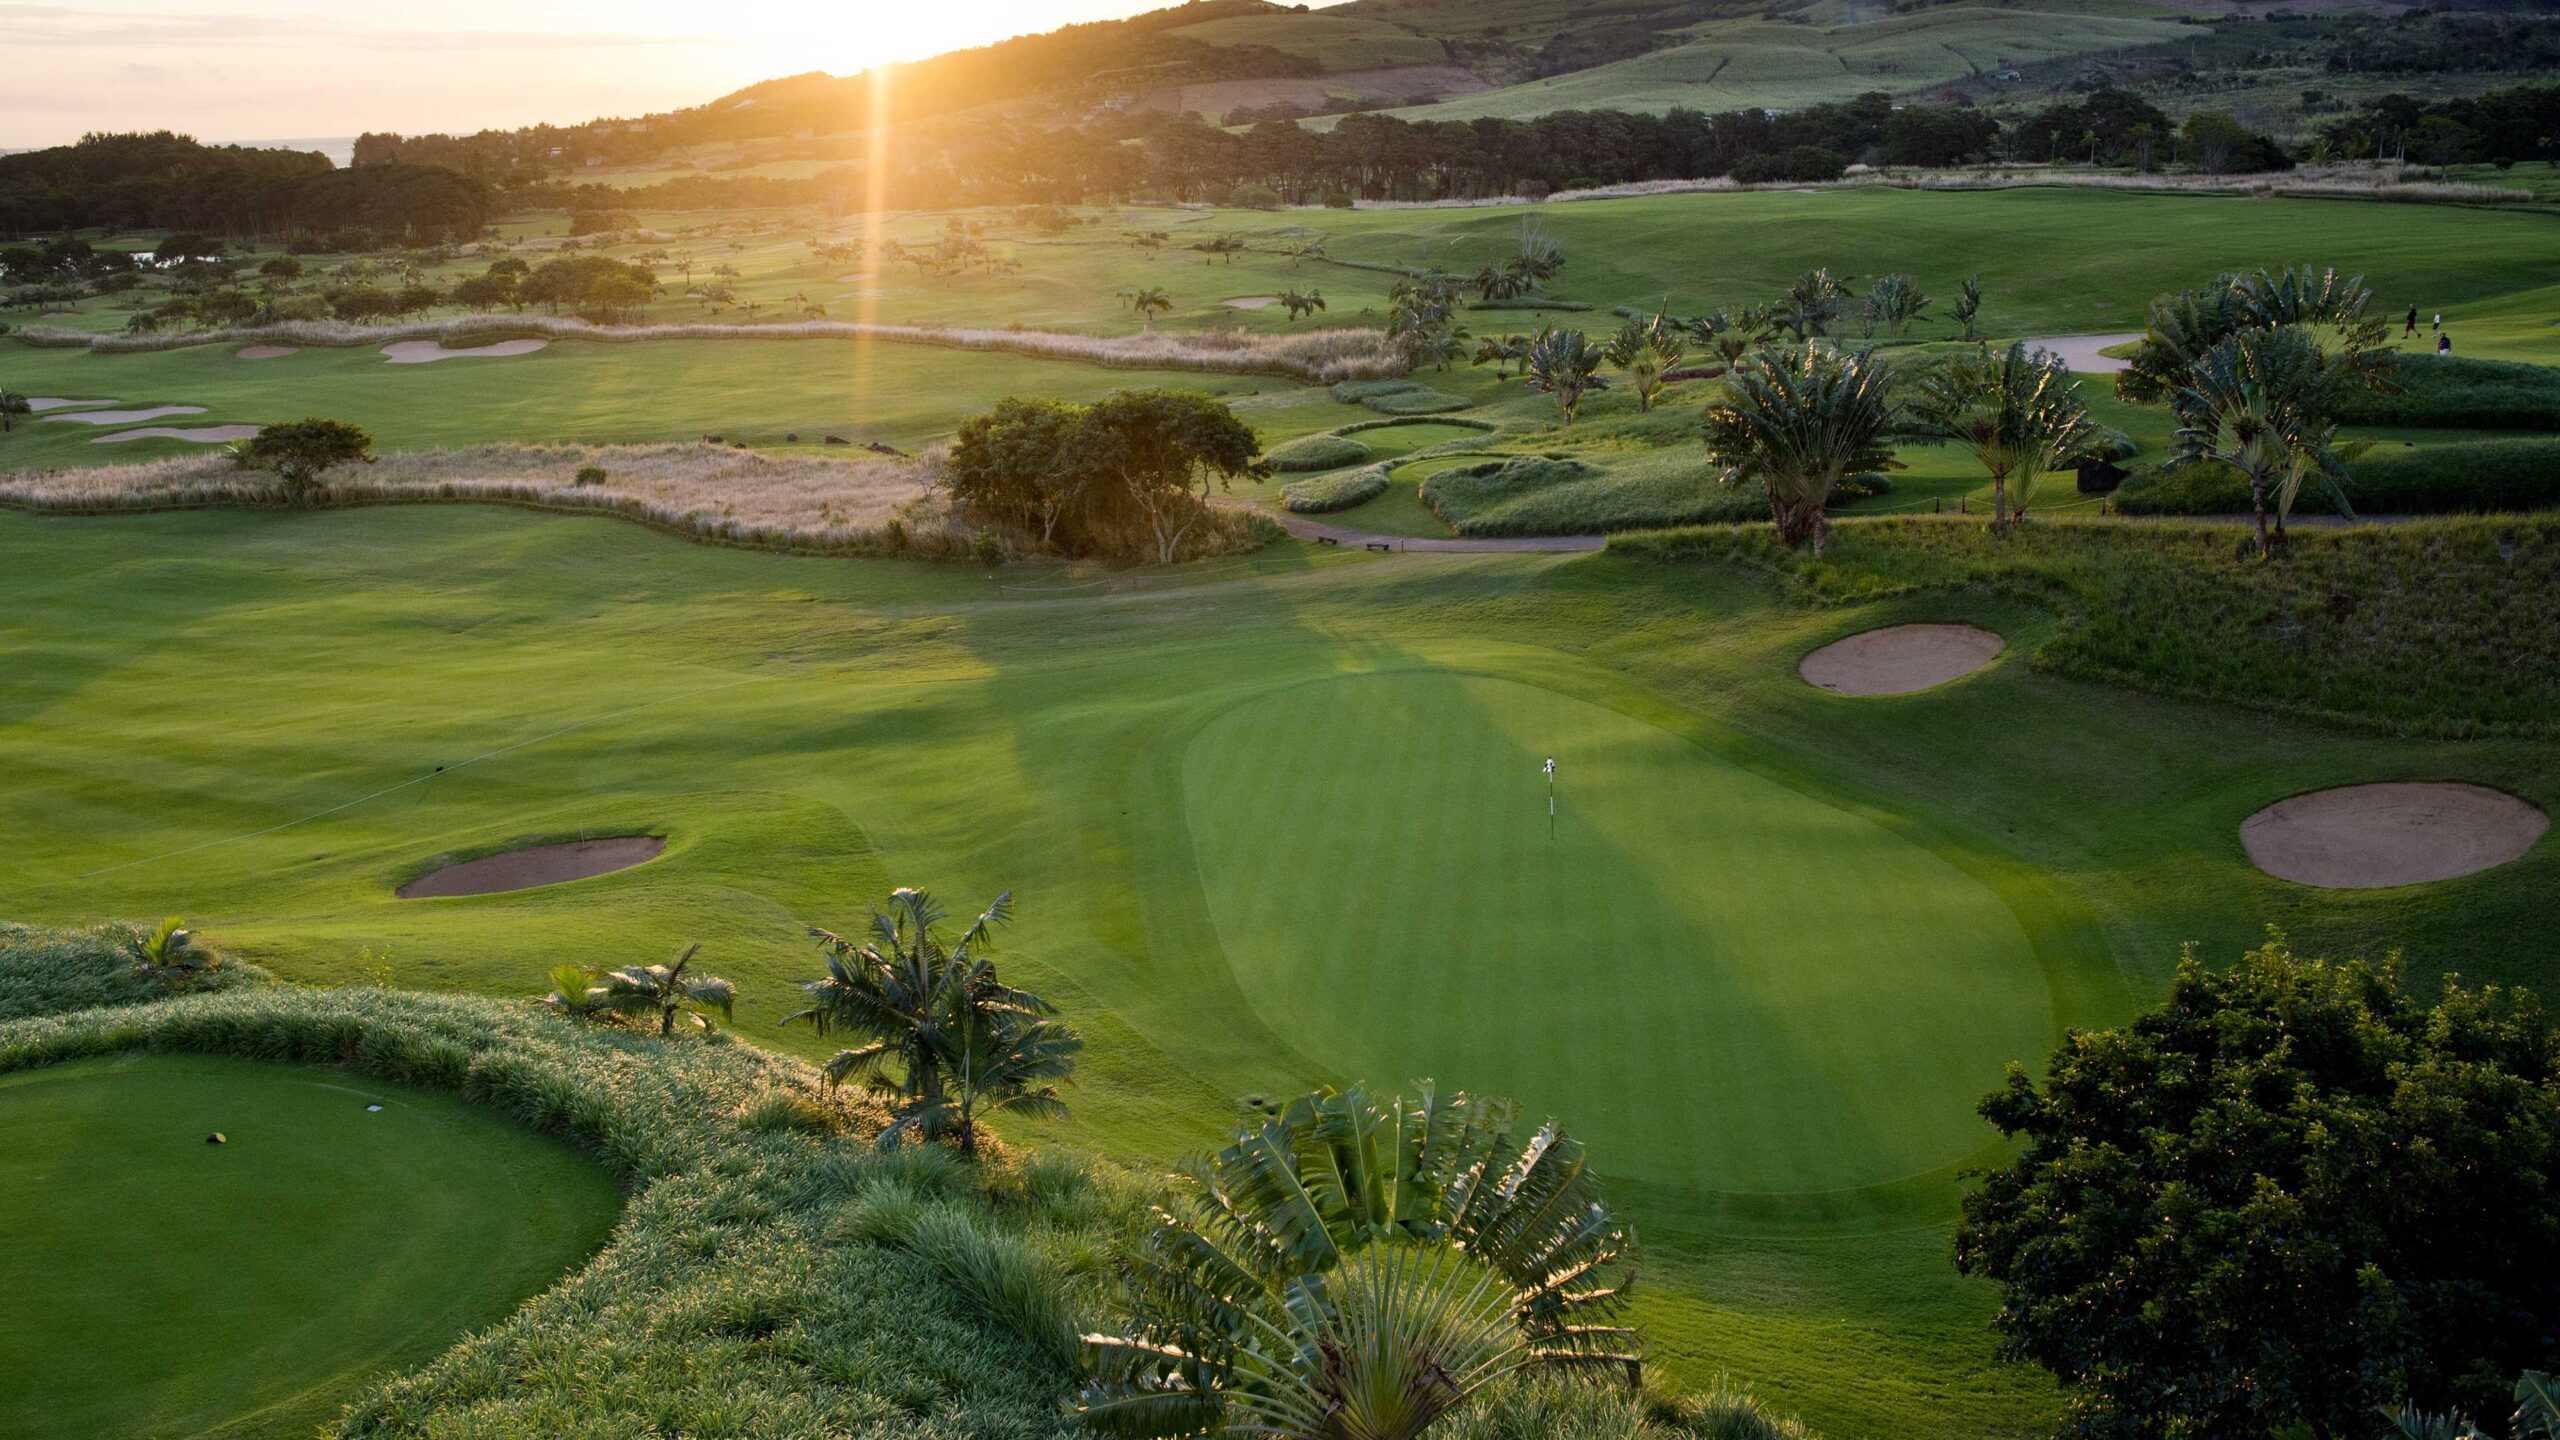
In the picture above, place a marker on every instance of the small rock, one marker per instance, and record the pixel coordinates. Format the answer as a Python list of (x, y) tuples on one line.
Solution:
[(215, 1139)]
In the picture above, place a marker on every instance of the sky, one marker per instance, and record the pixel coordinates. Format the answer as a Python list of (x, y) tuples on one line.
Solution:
[(236, 70)]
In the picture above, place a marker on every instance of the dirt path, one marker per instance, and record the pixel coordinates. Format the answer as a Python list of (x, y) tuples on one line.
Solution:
[(2080, 352)]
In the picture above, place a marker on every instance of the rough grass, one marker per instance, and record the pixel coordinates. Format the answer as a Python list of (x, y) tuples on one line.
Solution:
[(1537, 495), (1318, 356), (2441, 628), (1318, 452), (45, 972), (1341, 491), (2461, 394), (745, 497), (2482, 477)]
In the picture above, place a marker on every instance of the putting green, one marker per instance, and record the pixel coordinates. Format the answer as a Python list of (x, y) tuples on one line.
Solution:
[(1722, 982), (152, 1284)]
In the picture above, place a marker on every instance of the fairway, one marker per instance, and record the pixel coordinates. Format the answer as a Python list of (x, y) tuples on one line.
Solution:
[(1676, 964), (152, 1284)]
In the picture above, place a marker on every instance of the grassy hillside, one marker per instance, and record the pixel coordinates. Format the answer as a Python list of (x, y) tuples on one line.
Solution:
[(1739, 64), (1338, 42)]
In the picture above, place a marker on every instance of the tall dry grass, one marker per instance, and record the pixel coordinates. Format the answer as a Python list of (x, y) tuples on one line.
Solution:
[(1320, 356), (872, 505)]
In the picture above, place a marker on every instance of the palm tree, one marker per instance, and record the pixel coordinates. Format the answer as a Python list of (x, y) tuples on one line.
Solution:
[(942, 1034), (170, 954), (1799, 419), (661, 990), (1967, 311), (1500, 351), (1894, 302), (1565, 364), (1297, 303), (1646, 350), (1357, 1268), (2019, 412), (2258, 402), (1811, 304), (1732, 335), (1147, 302)]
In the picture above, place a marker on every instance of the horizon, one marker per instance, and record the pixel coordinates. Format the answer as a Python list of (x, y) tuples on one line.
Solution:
[(201, 67)]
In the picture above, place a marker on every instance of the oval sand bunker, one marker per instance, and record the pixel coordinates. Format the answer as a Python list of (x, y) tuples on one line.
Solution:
[(540, 865), (2365, 837), (1900, 659), (421, 352)]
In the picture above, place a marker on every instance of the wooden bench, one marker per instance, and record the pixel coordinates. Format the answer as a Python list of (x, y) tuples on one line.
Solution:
[(1380, 545), (1327, 540)]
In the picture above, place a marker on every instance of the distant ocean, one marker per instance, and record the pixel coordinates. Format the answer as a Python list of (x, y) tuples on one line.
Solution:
[(341, 149)]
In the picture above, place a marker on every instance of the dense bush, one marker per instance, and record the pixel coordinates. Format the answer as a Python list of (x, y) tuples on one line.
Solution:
[(1317, 452), (2461, 394), (51, 972), (2482, 477), (1338, 491), (2439, 628)]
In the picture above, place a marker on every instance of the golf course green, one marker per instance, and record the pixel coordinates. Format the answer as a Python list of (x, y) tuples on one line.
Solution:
[(1426, 918), (155, 1284)]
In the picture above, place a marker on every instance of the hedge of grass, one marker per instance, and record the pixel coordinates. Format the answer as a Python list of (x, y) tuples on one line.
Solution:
[(2435, 628), (771, 1277), (1358, 427), (1537, 495), (1317, 452), (2482, 477), (1340, 491), (1395, 397), (45, 972), (2462, 394)]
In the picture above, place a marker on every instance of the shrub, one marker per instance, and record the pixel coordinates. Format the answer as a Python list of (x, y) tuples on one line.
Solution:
[(2480, 477), (2461, 394), (1001, 1276), (591, 475), (1317, 452), (1339, 491)]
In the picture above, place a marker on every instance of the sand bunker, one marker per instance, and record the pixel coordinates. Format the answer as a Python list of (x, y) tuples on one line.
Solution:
[(1250, 302), (42, 403), (541, 865), (2364, 837), (2080, 352), (1900, 659), (421, 352), (124, 417), (202, 434), (265, 352)]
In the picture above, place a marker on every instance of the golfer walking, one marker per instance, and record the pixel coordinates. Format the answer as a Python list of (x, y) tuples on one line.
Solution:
[(1551, 797)]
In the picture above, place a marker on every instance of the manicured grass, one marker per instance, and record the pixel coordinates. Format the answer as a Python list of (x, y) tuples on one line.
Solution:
[(152, 1284), (808, 733), (1677, 924)]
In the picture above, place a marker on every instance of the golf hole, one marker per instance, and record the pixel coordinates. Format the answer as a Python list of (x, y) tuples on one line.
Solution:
[(535, 866)]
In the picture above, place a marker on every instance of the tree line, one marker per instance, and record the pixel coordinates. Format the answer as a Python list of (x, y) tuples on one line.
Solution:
[(163, 181)]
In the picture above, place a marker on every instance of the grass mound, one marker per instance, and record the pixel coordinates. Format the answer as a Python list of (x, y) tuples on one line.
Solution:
[(323, 1242), (1396, 397), (1538, 495), (2477, 478), (45, 972), (1318, 452), (1327, 493), (2439, 628), (2460, 394)]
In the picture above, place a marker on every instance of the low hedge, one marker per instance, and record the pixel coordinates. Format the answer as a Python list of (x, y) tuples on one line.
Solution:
[(2458, 394), (1317, 452), (2482, 477), (1417, 401), (1339, 491), (47, 972)]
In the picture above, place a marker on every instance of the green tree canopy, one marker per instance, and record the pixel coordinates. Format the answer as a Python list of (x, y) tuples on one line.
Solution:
[(301, 451), (2292, 1195)]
